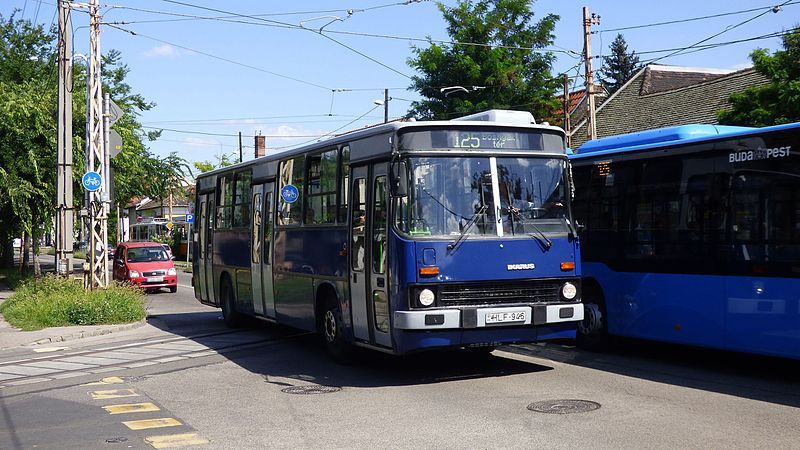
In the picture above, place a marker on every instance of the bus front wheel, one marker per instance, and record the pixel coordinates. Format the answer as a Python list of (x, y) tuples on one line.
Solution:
[(233, 318), (340, 350), (592, 333)]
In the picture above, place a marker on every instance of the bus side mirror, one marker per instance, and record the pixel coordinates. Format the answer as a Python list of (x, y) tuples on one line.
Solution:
[(398, 179)]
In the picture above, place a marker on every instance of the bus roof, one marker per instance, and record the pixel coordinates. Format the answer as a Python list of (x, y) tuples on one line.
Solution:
[(670, 136)]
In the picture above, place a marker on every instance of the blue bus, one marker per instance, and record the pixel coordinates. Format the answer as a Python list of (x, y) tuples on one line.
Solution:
[(691, 235), (402, 237)]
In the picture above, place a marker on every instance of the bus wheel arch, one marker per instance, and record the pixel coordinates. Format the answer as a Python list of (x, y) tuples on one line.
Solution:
[(592, 331)]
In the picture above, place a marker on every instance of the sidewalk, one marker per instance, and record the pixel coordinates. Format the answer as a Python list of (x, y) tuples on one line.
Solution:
[(12, 337)]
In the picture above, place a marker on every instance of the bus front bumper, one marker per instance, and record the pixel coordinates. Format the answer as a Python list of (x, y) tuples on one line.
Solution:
[(488, 316)]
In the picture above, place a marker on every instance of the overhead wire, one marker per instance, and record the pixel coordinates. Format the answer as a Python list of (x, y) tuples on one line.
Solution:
[(330, 133)]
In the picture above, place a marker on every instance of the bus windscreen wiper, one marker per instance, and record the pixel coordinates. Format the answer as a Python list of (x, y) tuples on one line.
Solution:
[(541, 237), (467, 227)]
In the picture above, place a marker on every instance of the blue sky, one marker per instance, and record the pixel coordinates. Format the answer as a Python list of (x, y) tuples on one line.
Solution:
[(300, 84)]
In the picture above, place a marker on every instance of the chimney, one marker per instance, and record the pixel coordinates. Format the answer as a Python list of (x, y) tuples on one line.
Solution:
[(261, 146)]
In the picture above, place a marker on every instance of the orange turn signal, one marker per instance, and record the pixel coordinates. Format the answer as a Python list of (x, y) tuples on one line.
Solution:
[(568, 265), (428, 271)]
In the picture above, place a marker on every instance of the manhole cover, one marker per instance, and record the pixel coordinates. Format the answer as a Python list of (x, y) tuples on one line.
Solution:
[(563, 406), (309, 390), (116, 440)]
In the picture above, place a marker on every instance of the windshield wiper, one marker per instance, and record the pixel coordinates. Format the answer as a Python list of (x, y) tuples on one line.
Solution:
[(541, 237), (466, 228)]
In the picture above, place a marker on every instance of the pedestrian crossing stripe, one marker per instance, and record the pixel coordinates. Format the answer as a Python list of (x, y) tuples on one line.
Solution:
[(131, 408), (151, 423), (113, 393), (175, 440)]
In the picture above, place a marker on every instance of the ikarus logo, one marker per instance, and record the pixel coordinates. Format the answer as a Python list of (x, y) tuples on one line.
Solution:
[(526, 266), (759, 154)]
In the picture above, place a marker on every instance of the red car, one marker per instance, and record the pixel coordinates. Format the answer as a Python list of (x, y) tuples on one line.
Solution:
[(145, 264)]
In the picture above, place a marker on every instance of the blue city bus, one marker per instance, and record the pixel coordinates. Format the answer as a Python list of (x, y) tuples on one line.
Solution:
[(402, 237), (691, 235)]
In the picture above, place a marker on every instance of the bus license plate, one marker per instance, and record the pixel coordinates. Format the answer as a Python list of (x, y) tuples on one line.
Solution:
[(503, 317), (155, 279)]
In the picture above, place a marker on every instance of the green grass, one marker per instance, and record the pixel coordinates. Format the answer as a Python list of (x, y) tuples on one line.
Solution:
[(77, 254), (183, 265), (12, 278), (56, 302)]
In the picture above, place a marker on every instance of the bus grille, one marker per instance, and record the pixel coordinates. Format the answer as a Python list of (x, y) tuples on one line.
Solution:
[(500, 293)]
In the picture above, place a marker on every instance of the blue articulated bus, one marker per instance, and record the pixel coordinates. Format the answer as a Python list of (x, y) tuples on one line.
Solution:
[(402, 237), (691, 235)]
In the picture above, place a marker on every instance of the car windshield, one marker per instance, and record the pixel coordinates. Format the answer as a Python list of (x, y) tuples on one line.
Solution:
[(455, 196), (147, 254)]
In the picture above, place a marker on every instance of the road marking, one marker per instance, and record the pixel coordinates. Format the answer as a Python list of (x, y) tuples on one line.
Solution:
[(114, 393), (175, 440), (151, 423), (106, 380), (131, 408), (183, 285), (49, 349)]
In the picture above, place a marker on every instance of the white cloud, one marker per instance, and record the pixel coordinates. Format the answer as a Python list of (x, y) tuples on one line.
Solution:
[(163, 51), (741, 66)]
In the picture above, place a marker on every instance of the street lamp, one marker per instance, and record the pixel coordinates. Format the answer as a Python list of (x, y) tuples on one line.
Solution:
[(385, 103)]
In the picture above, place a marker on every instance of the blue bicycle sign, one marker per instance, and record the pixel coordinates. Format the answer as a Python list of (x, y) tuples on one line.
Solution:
[(92, 181), (289, 193)]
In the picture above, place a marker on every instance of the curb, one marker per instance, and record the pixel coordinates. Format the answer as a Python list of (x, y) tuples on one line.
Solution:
[(85, 334)]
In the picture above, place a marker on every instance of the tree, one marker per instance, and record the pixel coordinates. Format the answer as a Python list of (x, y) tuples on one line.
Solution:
[(507, 70), (618, 68), (776, 102), (223, 160)]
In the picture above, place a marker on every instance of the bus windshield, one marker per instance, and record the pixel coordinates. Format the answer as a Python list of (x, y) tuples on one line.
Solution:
[(484, 196)]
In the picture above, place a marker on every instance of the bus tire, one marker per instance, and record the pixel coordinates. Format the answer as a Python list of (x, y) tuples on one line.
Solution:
[(592, 332), (337, 346), (232, 318)]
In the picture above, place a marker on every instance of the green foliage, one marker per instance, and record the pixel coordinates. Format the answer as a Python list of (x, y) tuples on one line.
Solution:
[(504, 73), (776, 102), (55, 302), (223, 160), (618, 68)]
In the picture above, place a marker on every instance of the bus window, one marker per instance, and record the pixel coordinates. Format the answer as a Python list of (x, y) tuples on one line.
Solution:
[(321, 205), (241, 199), (344, 183), (225, 188), (379, 226), (268, 227), (291, 174), (359, 220)]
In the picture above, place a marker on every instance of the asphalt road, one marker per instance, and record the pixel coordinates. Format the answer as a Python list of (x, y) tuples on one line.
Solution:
[(185, 379)]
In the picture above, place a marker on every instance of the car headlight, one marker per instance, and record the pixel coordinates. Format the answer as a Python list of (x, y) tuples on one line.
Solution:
[(569, 291), (133, 274), (171, 271), (426, 297)]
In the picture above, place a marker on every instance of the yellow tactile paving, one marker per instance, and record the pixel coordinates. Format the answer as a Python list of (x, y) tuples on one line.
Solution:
[(151, 423), (106, 380), (113, 393), (131, 408), (175, 440)]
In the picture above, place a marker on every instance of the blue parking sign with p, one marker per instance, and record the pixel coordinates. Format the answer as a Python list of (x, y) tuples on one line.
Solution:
[(190, 218), (91, 181)]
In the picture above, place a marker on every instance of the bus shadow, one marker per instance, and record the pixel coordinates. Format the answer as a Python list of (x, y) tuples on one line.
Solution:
[(755, 377), (287, 356)]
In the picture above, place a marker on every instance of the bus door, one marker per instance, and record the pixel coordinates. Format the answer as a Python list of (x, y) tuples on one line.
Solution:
[(201, 255), (368, 255), (256, 234), (208, 253), (261, 250)]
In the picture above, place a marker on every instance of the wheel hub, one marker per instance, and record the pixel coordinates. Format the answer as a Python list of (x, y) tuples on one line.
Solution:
[(330, 326), (592, 321)]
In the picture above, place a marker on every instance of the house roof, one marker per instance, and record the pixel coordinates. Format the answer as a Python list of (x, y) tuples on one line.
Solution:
[(662, 96)]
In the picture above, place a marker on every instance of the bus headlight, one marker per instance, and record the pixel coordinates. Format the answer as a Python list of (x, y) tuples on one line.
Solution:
[(426, 297), (569, 291)]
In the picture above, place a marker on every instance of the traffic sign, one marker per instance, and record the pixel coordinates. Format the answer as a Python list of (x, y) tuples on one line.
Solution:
[(114, 143), (116, 113), (289, 193), (91, 181), (169, 226), (190, 218)]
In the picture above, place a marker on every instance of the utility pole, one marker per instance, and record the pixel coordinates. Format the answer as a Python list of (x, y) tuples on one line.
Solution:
[(240, 146), (588, 21), (96, 161), (65, 218), (567, 102), (385, 105)]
